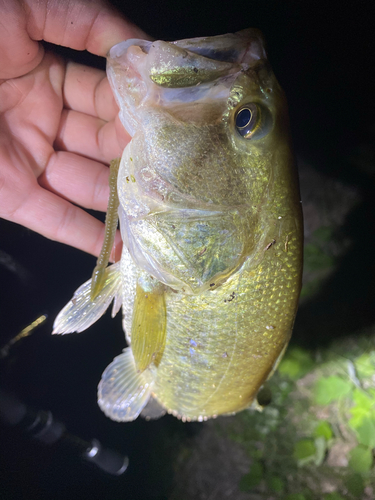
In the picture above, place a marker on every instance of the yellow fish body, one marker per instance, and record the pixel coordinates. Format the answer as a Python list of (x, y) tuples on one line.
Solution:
[(210, 216)]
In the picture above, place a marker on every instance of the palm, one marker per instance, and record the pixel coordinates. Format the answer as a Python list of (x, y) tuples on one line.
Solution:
[(58, 129)]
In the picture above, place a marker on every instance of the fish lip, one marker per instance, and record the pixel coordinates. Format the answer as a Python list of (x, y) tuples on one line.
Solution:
[(251, 39), (119, 50)]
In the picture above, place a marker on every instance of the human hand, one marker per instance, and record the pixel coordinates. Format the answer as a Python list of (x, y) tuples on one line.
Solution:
[(58, 121)]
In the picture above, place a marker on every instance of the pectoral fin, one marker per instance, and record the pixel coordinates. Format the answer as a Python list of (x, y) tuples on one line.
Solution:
[(123, 392), (148, 326), (81, 312)]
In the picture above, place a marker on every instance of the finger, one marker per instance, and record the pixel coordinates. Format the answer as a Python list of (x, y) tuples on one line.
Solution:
[(19, 54), (94, 26), (59, 220), (77, 179), (89, 136), (30, 109), (78, 24), (87, 90)]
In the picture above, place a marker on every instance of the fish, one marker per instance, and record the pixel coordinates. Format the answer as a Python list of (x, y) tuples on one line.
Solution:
[(211, 222)]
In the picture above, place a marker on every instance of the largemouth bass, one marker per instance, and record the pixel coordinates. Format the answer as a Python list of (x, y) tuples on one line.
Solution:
[(210, 217)]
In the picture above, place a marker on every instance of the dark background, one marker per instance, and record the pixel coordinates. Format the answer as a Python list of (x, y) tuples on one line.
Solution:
[(323, 56)]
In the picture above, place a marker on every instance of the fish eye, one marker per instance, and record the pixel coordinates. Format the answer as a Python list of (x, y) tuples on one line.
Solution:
[(246, 119), (252, 121)]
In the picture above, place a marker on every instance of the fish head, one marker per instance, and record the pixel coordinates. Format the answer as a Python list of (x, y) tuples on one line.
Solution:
[(209, 138)]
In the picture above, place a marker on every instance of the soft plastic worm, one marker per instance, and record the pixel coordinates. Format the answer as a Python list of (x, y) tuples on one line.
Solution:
[(111, 219)]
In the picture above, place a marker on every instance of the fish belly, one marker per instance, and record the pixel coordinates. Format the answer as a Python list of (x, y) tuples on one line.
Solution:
[(222, 345)]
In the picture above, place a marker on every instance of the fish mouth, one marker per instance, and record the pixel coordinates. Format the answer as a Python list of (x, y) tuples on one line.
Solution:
[(243, 47), (143, 72), (190, 62)]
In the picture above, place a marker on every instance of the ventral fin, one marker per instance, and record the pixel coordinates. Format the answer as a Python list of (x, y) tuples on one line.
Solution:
[(149, 324), (123, 392), (153, 410), (81, 312)]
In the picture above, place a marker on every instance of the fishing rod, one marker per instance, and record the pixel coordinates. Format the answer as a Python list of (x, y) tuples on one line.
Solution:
[(42, 426)]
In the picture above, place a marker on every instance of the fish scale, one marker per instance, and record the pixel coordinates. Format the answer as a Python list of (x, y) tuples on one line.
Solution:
[(236, 349)]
